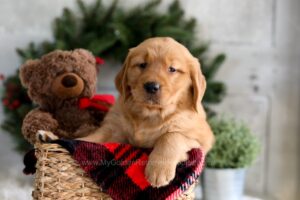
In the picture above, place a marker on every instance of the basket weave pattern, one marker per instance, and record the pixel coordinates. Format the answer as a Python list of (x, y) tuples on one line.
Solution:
[(59, 177)]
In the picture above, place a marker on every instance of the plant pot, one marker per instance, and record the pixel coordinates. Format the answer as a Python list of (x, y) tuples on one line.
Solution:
[(223, 184)]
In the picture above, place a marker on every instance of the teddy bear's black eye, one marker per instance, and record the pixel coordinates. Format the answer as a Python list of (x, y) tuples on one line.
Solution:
[(143, 65), (172, 69)]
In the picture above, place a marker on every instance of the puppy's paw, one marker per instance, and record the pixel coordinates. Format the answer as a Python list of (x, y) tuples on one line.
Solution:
[(159, 172), (45, 136)]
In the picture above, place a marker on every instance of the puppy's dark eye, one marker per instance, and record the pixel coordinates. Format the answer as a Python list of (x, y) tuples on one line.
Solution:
[(172, 69), (143, 65)]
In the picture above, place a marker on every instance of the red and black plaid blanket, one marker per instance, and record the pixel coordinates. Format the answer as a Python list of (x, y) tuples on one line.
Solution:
[(119, 170)]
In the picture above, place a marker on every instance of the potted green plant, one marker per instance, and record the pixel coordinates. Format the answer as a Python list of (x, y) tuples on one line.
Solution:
[(235, 149)]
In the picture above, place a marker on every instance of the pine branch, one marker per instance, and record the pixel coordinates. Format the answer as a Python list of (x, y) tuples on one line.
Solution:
[(152, 5), (82, 7), (109, 13), (215, 65)]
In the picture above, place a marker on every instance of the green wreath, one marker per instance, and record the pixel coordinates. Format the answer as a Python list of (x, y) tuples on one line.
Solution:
[(109, 32)]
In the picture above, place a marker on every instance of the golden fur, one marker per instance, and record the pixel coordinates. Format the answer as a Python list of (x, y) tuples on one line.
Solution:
[(171, 121)]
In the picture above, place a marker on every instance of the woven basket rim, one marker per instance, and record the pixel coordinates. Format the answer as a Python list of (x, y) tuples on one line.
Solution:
[(55, 165)]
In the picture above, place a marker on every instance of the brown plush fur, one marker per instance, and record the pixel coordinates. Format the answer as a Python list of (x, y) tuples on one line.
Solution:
[(57, 101), (172, 121)]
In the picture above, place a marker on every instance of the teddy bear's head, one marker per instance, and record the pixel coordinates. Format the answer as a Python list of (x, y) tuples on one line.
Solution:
[(59, 76)]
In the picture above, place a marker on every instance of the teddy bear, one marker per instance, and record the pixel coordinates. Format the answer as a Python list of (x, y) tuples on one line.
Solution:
[(57, 83)]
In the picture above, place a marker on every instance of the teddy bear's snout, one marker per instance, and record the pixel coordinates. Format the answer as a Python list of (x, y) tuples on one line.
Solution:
[(67, 85), (69, 81)]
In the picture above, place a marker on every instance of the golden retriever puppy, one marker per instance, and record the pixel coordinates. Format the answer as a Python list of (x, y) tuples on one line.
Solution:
[(161, 87)]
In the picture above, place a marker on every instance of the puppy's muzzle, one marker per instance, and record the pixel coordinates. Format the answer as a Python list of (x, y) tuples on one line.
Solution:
[(152, 87)]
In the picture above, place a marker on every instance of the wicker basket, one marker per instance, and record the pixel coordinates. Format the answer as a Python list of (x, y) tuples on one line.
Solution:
[(59, 177)]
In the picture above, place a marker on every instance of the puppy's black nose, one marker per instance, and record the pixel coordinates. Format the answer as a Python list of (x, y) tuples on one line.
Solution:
[(151, 87), (69, 81)]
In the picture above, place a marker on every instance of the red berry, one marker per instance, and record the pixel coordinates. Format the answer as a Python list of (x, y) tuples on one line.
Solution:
[(99, 61), (2, 77), (16, 103), (5, 102)]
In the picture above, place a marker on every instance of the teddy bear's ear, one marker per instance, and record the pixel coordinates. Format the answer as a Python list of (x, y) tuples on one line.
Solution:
[(86, 54), (27, 70)]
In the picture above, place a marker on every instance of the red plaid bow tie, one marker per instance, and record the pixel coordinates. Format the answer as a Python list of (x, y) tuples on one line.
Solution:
[(102, 102)]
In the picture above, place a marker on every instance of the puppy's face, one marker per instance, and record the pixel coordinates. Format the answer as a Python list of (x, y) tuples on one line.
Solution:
[(160, 72)]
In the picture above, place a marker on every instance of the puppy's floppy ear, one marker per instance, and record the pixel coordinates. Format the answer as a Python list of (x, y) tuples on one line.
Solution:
[(198, 84), (121, 80), (27, 70)]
